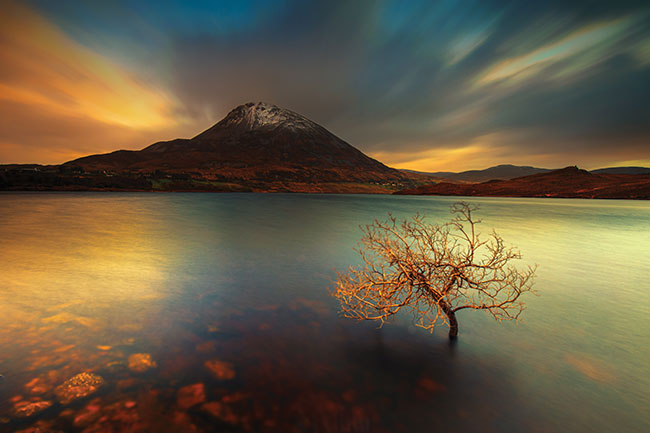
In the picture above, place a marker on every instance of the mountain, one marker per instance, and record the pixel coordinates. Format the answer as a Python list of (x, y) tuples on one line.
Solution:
[(503, 171), (260, 146), (569, 182), (622, 170), (508, 171)]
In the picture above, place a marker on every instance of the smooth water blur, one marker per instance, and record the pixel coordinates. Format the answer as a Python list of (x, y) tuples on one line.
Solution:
[(88, 279)]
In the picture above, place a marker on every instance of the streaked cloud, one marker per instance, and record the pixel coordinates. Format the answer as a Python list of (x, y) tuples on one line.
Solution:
[(53, 84), (47, 68), (599, 37), (463, 45), (430, 85)]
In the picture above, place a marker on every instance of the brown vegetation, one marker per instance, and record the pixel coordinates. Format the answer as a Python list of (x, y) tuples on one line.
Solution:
[(570, 182)]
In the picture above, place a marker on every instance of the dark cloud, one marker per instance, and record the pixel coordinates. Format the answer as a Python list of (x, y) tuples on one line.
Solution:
[(402, 77)]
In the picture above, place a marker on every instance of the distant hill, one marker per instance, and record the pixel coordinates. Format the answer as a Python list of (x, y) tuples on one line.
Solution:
[(503, 171), (622, 170), (508, 171), (427, 177), (570, 182), (256, 147)]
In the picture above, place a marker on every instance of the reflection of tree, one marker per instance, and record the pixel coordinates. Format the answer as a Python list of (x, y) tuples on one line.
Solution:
[(433, 271)]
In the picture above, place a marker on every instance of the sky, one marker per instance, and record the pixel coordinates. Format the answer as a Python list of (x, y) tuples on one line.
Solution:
[(431, 85)]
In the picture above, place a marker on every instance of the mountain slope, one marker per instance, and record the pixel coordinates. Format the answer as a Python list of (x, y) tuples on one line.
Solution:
[(567, 182), (258, 143)]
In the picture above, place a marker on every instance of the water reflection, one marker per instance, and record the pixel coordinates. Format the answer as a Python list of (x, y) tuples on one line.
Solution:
[(203, 312)]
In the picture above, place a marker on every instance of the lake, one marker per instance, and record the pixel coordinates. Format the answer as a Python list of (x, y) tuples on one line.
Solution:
[(211, 312)]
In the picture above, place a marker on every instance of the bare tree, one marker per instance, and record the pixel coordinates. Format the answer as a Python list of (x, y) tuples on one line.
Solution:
[(433, 271)]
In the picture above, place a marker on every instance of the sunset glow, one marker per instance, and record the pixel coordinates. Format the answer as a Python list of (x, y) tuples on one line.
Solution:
[(503, 85), (51, 79)]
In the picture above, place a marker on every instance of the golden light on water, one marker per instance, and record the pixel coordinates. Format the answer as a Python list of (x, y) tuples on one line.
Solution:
[(81, 276)]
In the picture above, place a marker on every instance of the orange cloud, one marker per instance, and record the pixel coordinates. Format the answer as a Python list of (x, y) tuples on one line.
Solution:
[(481, 152), (49, 78), (504, 147)]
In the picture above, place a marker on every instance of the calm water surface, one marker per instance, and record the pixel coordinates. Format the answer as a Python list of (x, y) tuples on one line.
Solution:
[(89, 279)]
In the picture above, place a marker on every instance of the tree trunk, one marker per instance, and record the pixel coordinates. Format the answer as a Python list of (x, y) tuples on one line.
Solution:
[(451, 317), (449, 312), (453, 325)]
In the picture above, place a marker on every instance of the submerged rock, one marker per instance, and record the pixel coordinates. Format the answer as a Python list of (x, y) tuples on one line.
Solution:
[(88, 415), (24, 409), (221, 412), (141, 362), (78, 386), (220, 369), (37, 386), (98, 417), (235, 397), (190, 395), (183, 423), (41, 426), (429, 385)]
